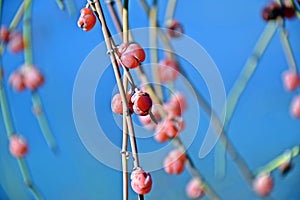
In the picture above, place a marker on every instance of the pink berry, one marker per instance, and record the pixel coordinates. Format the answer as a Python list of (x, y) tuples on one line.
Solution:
[(142, 103), (175, 29), (132, 55), (16, 43), (87, 19), (168, 70), (141, 182), (174, 162), (18, 146), (33, 78), (4, 34), (295, 107), (179, 98), (16, 80), (194, 189), (160, 134), (146, 120), (263, 184), (291, 80), (117, 105)]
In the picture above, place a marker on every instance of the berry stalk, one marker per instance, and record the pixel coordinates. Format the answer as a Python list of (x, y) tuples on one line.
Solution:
[(245, 171), (170, 10), (177, 140), (43, 123), (60, 4), (287, 49), (193, 170), (153, 50), (117, 73), (125, 108), (248, 70), (27, 179), (285, 157)]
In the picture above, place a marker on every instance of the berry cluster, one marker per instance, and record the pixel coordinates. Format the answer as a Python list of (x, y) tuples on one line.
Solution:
[(26, 77), (131, 55), (140, 103), (273, 10), (14, 39)]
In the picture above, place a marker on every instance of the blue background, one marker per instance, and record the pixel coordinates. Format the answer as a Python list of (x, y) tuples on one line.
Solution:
[(261, 128)]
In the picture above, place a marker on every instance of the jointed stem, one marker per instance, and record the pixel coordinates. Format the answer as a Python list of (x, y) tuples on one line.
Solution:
[(153, 50), (286, 156), (163, 113), (117, 73), (288, 50), (170, 10), (242, 166), (29, 63), (193, 170), (248, 70), (125, 108)]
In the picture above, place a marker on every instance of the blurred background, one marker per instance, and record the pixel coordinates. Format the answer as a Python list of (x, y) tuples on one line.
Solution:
[(261, 128)]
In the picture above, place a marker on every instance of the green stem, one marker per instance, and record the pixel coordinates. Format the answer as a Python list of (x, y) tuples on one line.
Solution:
[(248, 70), (42, 120), (27, 179), (29, 63), (153, 50), (281, 159), (60, 4), (71, 7), (239, 87), (242, 166), (288, 50), (5, 112), (170, 10), (27, 33)]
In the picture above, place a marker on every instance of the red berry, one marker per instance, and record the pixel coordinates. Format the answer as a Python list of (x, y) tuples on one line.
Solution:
[(142, 103), (141, 182), (174, 162), (33, 78), (175, 29), (16, 80), (168, 70), (4, 34), (263, 184), (271, 11), (131, 55), (291, 80), (295, 107), (87, 19), (289, 12), (194, 189), (86, 11), (16, 43), (117, 106), (18, 146)]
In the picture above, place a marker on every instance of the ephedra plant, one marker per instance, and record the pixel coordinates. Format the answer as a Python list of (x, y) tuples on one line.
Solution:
[(156, 111)]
